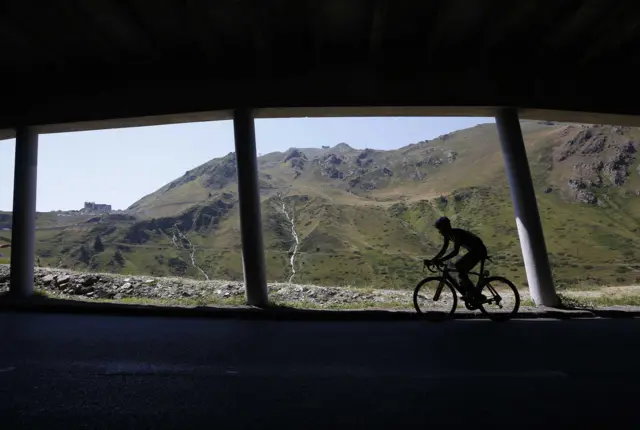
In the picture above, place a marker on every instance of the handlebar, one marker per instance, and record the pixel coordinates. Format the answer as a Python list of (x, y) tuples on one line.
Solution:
[(430, 265), (437, 266)]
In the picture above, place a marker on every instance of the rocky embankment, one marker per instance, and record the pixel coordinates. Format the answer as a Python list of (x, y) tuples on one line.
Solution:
[(85, 285)]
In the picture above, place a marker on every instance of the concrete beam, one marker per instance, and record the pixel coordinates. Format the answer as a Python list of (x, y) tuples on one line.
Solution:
[(534, 250), (23, 230), (253, 261), (341, 92)]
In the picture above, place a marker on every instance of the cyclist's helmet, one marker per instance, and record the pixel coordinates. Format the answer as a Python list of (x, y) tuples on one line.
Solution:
[(443, 223)]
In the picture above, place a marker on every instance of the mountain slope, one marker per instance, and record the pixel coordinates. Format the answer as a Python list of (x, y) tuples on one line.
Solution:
[(364, 217)]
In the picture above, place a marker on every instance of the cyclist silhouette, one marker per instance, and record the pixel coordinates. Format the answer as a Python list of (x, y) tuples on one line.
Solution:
[(476, 252)]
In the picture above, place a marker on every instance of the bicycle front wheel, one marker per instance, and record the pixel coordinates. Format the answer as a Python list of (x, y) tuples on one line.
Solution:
[(502, 298), (435, 297)]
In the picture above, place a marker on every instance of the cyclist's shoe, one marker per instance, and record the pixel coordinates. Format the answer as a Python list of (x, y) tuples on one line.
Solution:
[(474, 296), (481, 298)]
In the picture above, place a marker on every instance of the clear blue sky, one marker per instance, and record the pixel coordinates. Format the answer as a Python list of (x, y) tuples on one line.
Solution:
[(120, 166)]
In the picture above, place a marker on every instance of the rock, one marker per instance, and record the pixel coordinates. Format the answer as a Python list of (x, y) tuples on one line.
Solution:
[(365, 154), (597, 166), (332, 159), (90, 280), (297, 163), (294, 153), (548, 190), (566, 130), (573, 145), (387, 171), (84, 290), (63, 280), (576, 184), (618, 177), (111, 286), (586, 196), (620, 130), (629, 147), (616, 167), (580, 166), (364, 163), (596, 183), (460, 196), (430, 161), (595, 146), (332, 172)]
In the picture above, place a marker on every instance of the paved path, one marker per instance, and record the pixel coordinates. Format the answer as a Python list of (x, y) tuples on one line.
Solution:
[(80, 371)]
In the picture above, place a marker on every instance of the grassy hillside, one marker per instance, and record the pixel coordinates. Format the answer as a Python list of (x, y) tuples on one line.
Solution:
[(364, 217)]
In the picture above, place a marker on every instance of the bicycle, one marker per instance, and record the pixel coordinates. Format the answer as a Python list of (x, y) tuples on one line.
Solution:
[(446, 300)]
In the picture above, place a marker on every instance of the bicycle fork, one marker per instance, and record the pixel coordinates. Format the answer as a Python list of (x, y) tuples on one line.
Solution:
[(496, 297), (436, 296)]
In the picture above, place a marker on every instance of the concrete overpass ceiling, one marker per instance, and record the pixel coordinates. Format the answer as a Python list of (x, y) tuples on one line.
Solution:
[(109, 63)]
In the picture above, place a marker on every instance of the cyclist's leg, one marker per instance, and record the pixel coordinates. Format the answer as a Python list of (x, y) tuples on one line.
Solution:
[(464, 265)]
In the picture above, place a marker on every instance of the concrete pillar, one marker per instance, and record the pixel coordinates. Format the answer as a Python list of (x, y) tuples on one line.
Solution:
[(253, 262), (534, 250), (23, 230)]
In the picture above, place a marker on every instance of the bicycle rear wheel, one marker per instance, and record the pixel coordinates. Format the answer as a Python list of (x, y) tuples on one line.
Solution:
[(503, 299), (435, 298)]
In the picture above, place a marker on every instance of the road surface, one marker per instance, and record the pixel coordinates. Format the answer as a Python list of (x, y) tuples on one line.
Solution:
[(80, 371)]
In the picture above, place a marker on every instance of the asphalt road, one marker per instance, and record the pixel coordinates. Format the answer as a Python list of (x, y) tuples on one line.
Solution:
[(79, 371)]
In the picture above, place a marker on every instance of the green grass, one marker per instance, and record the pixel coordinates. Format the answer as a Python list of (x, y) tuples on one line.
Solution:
[(598, 302), (573, 301), (180, 302), (395, 305)]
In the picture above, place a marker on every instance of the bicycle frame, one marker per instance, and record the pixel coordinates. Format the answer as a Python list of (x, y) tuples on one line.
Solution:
[(446, 274), (474, 302)]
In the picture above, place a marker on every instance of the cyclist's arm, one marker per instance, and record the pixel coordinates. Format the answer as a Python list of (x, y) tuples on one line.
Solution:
[(456, 251), (440, 253)]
